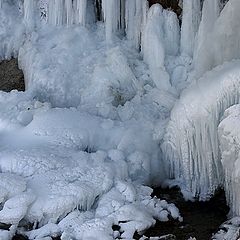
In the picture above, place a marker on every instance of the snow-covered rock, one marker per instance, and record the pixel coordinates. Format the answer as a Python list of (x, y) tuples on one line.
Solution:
[(228, 230)]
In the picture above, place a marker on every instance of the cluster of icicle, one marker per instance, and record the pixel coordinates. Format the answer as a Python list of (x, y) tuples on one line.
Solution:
[(120, 15), (191, 145)]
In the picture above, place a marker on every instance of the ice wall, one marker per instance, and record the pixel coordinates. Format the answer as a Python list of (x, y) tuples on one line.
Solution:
[(191, 146), (190, 23)]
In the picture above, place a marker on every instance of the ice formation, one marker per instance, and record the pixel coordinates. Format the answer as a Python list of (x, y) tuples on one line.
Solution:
[(160, 37), (222, 31), (191, 143), (202, 59), (190, 23), (135, 20), (79, 145), (229, 145)]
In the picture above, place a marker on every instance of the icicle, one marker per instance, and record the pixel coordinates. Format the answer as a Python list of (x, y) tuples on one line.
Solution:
[(29, 8), (81, 12), (69, 12), (112, 18), (56, 12), (135, 18), (190, 23), (203, 59), (1, 3)]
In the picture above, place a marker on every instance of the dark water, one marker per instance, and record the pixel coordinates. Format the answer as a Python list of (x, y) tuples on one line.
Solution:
[(200, 219)]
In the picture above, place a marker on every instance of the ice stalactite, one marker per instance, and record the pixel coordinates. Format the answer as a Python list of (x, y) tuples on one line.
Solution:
[(203, 59), (81, 12), (190, 23), (191, 146), (112, 17), (69, 12), (29, 13), (135, 18), (56, 12)]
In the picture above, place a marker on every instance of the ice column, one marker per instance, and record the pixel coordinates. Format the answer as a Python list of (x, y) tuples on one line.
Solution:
[(190, 23), (203, 59), (29, 15), (69, 12), (153, 47), (112, 18), (81, 12), (171, 33), (56, 12), (135, 18)]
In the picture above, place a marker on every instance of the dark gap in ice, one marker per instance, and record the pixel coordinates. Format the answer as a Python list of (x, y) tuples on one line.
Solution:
[(4, 226), (89, 149), (19, 237), (116, 228), (11, 77)]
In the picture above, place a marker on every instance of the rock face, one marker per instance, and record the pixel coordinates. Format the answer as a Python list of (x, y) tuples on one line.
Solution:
[(11, 77)]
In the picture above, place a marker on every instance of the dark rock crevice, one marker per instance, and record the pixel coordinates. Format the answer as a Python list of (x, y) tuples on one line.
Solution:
[(11, 77)]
